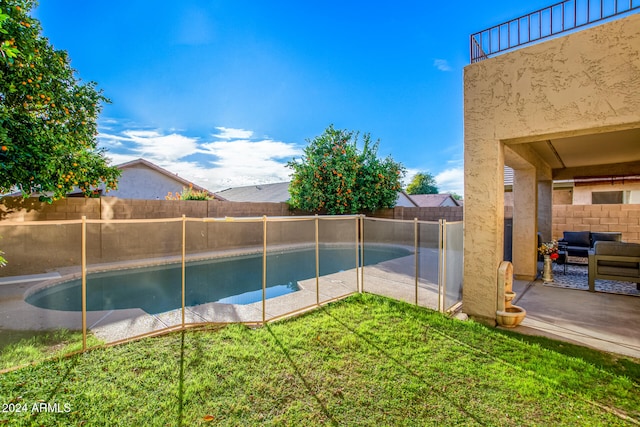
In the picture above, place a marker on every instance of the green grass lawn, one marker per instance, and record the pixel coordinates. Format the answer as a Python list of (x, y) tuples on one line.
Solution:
[(19, 348), (366, 360)]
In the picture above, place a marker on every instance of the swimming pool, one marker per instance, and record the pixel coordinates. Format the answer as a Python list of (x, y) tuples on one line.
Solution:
[(236, 280)]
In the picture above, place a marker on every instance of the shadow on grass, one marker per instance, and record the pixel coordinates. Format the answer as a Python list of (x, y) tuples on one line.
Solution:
[(300, 375), (195, 354), (73, 363), (181, 381), (395, 360)]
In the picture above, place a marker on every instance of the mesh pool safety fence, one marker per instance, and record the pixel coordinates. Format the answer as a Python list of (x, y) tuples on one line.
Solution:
[(92, 281)]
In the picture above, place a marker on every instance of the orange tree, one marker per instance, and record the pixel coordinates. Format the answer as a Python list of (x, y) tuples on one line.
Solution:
[(336, 177), (47, 116)]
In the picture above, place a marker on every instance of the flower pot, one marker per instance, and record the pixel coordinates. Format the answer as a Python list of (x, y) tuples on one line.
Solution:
[(511, 316), (547, 270)]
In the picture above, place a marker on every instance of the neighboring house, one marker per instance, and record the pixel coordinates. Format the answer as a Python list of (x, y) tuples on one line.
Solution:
[(599, 190), (142, 179), (434, 200), (405, 200), (273, 193), (279, 193)]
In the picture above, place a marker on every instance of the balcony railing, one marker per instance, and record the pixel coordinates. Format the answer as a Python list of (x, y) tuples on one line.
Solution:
[(550, 21)]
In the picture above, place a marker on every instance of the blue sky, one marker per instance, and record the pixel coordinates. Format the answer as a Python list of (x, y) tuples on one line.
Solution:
[(225, 92)]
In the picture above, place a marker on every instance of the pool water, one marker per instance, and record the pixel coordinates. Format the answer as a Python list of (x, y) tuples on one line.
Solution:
[(236, 280)]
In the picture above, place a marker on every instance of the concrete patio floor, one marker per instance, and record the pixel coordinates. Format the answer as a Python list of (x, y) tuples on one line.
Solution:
[(603, 321)]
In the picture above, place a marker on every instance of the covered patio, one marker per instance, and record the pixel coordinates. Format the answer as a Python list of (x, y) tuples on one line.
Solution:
[(565, 108), (611, 324)]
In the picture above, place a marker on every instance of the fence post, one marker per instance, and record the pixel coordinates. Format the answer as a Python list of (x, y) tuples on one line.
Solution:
[(443, 262), (417, 254), (356, 244), (184, 239), (362, 253), (317, 261), (84, 281), (439, 263), (264, 267)]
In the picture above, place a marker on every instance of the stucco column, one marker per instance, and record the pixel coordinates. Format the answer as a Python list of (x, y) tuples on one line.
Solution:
[(483, 226), (545, 209), (525, 210)]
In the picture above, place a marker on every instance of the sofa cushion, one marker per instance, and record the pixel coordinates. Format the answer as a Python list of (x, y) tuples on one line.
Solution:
[(577, 251), (616, 271), (618, 264), (577, 238), (617, 248), (610, 237)]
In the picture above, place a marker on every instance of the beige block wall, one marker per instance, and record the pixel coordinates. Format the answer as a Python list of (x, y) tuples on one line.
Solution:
[(620, 218), (19, 209), (41, 245)]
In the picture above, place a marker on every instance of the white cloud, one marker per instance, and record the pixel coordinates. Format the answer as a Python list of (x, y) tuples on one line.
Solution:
[(152, 144), (451, 180), (235, 161), (230, 133), (442, 65)]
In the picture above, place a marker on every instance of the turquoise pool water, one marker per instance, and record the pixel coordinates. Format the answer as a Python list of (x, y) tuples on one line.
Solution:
[(236, 280)]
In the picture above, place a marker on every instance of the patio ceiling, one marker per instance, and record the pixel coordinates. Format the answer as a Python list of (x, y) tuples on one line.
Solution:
[(612, 153)]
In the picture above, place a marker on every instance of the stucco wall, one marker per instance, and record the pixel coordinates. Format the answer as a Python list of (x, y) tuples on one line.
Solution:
[(582, 193), (577, 84), (563, 196), (141, 182)]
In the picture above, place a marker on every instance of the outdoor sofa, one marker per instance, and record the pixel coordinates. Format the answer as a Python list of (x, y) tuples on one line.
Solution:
[(578, 243), (614, 261)]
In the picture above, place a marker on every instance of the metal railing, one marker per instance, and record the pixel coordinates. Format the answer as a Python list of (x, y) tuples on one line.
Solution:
[(547, 22), (414, 261)]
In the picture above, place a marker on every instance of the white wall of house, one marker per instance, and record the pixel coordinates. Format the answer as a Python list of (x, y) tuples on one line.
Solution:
[(141, 182), (582, 194)]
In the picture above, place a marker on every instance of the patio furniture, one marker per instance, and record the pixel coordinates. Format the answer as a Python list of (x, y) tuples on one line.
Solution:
[(614, 261), (562, 255), (578, 243)]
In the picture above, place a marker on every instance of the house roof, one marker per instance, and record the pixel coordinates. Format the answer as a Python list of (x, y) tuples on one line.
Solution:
[(163, 171), (274, 193), (279, 192), (405, 200), (433, 200)]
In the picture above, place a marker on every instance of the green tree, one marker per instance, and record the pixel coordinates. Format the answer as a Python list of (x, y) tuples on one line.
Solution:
[(47, 116), (423, 183), (335, 176)]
